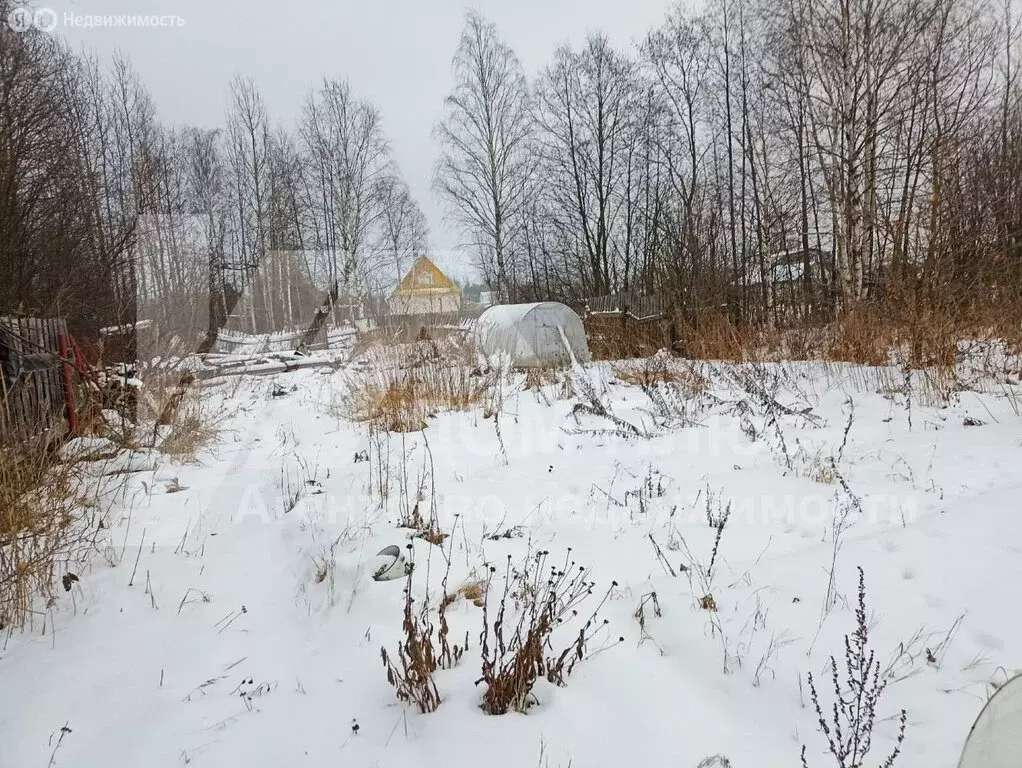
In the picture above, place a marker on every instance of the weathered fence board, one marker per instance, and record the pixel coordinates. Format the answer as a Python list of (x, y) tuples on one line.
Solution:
[(631, 304), (35, 404)]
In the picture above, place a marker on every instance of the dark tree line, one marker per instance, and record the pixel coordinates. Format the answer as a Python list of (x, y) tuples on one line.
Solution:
[(739, 155), (107, 214), (834, 146)]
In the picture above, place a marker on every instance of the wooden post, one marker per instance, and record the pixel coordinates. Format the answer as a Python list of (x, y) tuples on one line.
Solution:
[(70, 409)]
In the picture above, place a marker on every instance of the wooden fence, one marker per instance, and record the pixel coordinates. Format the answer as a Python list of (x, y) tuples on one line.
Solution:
[(34, 406), (631, 304), (628, 325)]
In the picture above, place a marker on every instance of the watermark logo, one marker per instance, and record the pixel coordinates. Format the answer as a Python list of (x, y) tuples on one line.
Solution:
[(23, 19), (20, 20)]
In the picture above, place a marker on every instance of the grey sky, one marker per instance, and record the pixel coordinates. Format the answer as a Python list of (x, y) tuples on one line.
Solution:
[(396, 53)]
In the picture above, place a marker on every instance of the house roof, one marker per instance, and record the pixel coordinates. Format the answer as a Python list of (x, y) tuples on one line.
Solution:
[(425, 279)]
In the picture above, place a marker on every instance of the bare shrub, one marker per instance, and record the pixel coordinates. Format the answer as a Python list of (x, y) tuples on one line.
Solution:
[(714, 761), (50, 520), (849, 722), (403, 387), (515, 645)]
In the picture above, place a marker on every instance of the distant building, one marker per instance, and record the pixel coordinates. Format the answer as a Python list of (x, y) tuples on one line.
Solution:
[(787, 281), (425, 290)]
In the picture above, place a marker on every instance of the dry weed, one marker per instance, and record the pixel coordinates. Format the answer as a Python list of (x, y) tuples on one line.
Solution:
[(537, 378), (411, 673), (515, 648), (860, 337), (473, 590), (610, 338), (848, 724), (401, 388), (659, 369), (192, 428), (51, 516), (424, 649)]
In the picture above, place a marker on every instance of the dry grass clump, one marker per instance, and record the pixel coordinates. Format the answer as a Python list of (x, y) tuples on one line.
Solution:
[(50, 514), (518, 629), (860, 337), (659, 369), (537, 378), (816, 466), (915, 325), (714, 336), (610, 338), (190, 429), (167, 412), (400, 388), (473, 590)]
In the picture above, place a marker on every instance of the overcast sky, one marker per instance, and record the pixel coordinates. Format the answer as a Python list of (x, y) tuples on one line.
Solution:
[(395, 52)]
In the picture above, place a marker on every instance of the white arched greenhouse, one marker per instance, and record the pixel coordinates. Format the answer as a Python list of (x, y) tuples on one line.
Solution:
[(532, 335)]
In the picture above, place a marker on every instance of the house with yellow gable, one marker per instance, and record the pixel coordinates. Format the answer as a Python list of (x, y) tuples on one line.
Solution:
[(425, 290)]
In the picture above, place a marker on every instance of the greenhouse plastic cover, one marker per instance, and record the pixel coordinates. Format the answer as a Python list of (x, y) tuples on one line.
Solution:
[(995, 740), (532, 335)]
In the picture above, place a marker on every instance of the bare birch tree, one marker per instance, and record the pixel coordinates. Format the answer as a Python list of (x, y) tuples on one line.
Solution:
[(589, 115), (485, 163), (349, 166), (404, 230)]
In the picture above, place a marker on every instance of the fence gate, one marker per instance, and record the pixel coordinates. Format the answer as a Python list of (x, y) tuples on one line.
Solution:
[(32, 394)]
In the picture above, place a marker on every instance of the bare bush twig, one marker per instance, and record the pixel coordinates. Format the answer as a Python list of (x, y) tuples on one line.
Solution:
[(849, 725)]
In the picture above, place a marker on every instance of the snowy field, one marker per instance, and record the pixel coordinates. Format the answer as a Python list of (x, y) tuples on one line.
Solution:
[(233, 619)]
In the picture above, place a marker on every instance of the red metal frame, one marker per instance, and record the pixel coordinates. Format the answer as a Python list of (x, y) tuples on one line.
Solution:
[(71, 408)]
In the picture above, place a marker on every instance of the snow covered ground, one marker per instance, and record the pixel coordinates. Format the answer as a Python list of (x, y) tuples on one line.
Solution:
[(233, 620)]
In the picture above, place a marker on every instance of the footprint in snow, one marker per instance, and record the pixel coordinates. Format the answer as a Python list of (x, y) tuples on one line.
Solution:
[(987, 640)]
